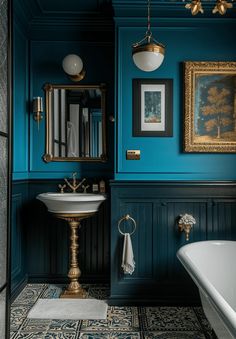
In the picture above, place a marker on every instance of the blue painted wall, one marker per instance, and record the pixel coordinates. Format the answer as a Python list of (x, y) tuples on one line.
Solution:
[(39, 48), (162, 158), (46, 68), (38, 59), (20, 102)]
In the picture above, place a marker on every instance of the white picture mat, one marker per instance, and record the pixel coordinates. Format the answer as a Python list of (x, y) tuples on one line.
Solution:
[(153, 126)]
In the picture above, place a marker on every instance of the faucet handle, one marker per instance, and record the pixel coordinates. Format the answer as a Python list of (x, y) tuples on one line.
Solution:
[(74, 175), (62, 188), (85, 188)]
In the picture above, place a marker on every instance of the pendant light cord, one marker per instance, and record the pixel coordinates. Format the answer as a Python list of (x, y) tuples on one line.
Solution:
[(148, 36), (148, 33)]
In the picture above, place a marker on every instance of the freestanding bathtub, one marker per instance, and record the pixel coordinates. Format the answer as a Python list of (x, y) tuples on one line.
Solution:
[(212, 266)]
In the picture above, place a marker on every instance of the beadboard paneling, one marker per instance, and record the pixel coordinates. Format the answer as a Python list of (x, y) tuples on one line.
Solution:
[(156, 206)]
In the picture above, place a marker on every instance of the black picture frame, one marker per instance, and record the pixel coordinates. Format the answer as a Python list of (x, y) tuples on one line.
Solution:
[(159, 94)]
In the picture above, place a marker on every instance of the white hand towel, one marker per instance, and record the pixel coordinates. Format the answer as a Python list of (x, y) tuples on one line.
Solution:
[(128, 263)]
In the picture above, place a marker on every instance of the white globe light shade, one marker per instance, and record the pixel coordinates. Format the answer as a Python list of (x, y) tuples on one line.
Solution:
[(148, 56), (72, 64), (148, 61)]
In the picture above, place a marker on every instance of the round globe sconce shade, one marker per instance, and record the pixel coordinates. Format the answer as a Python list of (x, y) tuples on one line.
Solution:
[(72, 65)]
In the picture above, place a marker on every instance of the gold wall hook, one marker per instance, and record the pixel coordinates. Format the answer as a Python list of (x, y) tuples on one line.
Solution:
[(185, 223), (186, 228)]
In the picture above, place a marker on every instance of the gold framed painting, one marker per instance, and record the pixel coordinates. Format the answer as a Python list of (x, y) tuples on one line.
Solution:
[(210, 107)]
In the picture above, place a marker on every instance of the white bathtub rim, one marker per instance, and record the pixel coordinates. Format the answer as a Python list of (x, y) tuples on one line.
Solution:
[(225, 311)]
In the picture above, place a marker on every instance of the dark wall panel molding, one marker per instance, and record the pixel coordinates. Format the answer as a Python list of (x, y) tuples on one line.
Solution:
[(18, 236), (156, 206), (44, 240)]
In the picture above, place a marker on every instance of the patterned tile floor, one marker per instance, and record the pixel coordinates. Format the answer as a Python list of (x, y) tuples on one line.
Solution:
[(122, 322)]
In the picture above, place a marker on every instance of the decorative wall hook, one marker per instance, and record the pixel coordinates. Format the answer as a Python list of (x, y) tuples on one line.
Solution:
[(185, 223)]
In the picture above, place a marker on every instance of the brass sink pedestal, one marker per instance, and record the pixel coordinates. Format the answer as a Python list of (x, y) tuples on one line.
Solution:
[(74, 289)]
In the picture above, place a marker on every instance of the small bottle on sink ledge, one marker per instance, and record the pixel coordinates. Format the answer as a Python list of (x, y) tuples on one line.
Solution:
[(95, 187), (102, 187)]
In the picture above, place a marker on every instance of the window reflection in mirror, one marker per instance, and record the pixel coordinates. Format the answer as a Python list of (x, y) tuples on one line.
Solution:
[(75, 123)]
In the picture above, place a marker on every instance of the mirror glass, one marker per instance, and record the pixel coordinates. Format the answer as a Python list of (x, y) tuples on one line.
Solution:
[(75, 120)]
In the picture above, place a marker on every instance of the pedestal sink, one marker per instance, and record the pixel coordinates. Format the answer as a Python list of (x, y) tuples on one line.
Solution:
[(73, 207)]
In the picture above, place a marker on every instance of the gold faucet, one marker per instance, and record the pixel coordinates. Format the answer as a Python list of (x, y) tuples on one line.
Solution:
[(74, 186), (61, 188)]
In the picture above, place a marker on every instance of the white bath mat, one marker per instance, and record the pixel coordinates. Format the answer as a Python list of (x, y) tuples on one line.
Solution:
[(75, 309)]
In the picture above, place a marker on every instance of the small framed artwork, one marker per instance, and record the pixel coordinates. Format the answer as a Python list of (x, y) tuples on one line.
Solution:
[(152, 107), (210, 107)]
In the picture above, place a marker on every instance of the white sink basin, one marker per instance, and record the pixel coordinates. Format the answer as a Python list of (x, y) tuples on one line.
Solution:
[(72, 202)]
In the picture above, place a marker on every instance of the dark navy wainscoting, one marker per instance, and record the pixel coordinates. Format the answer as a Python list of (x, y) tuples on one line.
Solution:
[(158, 276), (19, 217), (40, 242)]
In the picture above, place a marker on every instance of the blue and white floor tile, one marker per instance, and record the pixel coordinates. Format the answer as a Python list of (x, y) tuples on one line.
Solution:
[(121, 323)]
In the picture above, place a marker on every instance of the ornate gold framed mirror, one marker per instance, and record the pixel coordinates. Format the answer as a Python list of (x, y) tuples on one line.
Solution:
[(75, 123)]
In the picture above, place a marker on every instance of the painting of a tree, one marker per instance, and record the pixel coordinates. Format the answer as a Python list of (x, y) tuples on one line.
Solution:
[(218, 112), (152, 106), (210, 106)]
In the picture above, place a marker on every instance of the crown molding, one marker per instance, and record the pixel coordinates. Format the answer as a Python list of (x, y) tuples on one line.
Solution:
[(161, 8), (177, 22), (99, 7), (93, 22), (72, 29), (26, 10), (32, 15)]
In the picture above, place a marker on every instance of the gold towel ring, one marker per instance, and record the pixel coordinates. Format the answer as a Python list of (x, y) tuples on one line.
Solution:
[(127, 217)]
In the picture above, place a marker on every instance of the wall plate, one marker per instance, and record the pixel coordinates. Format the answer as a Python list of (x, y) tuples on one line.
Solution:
[(133, 155)]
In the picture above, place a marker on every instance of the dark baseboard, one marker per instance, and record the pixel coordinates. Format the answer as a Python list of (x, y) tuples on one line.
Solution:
[(153, 302), (64, 280), (18, 287)]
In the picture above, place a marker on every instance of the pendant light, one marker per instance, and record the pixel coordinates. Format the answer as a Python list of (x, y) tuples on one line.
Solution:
[(148, 54)]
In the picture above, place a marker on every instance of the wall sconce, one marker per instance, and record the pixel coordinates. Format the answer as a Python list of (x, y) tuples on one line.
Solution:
[(72, 65), (38, 109)]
